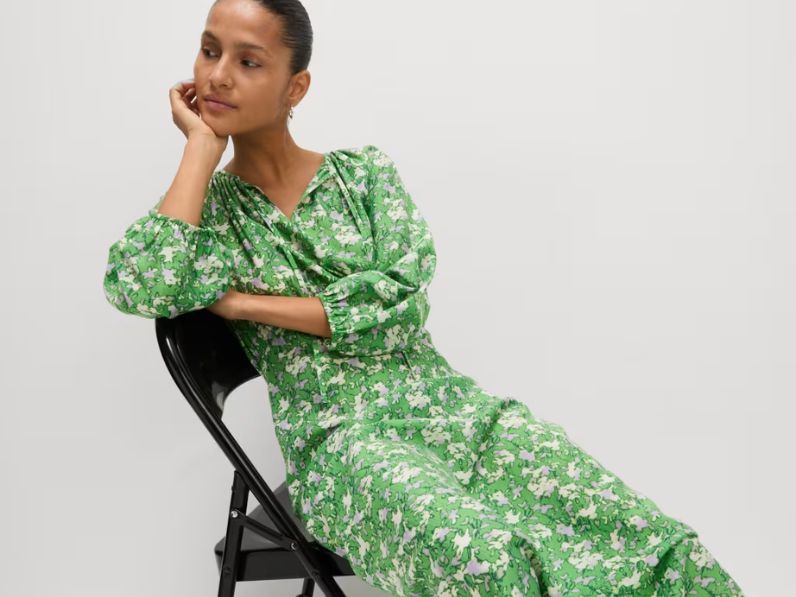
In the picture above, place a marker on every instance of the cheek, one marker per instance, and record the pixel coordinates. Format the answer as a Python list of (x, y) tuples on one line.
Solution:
[(200, 77), (259, 100)]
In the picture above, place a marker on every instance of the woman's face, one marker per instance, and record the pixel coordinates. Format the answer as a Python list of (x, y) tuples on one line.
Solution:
[(256, 82)]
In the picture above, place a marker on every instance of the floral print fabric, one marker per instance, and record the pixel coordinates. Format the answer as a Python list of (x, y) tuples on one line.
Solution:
[(164, 266), (426, 482)]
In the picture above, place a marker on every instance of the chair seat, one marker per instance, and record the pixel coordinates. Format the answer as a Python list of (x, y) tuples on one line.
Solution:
[(262, 559)]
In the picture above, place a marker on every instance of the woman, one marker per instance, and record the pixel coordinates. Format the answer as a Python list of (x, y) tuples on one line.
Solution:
[(320, 262)]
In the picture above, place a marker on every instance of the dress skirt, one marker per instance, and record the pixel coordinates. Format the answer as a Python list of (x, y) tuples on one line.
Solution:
[(527, 512)]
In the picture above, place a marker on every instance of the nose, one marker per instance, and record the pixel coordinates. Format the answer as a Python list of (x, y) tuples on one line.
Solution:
[(219, 76)]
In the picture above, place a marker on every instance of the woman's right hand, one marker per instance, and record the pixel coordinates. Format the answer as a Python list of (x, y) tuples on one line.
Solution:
[(186, 116)]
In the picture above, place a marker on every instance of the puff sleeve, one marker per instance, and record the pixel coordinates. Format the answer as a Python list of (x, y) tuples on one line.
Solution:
[(382, 309), (163, 266)]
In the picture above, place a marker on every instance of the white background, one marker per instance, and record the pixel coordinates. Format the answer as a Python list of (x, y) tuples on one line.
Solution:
[(610, 188)]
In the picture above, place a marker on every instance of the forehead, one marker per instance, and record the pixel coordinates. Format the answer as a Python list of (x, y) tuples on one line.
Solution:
[(244, 22)]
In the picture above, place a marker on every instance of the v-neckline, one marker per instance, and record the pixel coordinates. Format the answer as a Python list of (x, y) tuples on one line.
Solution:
[(306, 191)]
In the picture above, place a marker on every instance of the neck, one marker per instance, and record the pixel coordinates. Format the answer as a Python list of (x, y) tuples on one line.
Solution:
[(265, 157)]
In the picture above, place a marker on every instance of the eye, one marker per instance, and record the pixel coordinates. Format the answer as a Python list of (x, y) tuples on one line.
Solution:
[(207, 53)]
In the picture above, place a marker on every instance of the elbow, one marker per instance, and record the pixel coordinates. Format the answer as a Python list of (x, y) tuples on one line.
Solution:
[(128, 297), (122, 302)]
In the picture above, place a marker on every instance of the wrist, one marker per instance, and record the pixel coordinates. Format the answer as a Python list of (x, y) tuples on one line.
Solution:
[(204, 146)]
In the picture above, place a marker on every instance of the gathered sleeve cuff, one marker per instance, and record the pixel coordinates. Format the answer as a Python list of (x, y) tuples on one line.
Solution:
[(382, 309)]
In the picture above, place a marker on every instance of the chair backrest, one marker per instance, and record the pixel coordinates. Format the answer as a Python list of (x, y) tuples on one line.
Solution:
[(200, 349), (207, 363)]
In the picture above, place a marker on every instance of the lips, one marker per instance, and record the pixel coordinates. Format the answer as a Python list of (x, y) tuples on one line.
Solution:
[(219, 100)]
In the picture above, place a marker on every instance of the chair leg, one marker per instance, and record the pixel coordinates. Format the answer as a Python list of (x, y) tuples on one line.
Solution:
[(308, 588), (328, 585), (232, 543)]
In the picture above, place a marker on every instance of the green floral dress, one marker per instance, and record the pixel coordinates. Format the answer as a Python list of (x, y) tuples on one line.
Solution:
[(427, 483)]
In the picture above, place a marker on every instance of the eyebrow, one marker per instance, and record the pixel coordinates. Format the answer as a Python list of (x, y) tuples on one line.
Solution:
[(244, 45)]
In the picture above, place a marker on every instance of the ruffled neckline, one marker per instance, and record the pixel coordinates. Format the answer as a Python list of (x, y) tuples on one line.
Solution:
[(314, 182)]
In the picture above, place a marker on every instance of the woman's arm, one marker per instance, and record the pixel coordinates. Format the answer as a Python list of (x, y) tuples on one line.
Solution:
[(185, 197), (384, 308), (165, 263), (300, 313)]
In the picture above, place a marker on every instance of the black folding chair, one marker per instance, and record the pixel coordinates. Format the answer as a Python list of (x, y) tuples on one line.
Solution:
[(207, 363)]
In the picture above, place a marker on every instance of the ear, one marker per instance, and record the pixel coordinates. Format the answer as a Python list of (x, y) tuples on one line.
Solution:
[(299, 85)]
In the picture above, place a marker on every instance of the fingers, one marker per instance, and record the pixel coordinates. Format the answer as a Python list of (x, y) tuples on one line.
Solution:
[(181, 89), (184, 92), (191, 100), (182, 86)]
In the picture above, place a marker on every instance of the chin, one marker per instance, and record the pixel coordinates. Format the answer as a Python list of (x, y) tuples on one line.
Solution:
[(214, 122)]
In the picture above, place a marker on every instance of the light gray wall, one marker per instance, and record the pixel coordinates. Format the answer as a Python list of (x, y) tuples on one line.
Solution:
[(610, 187)]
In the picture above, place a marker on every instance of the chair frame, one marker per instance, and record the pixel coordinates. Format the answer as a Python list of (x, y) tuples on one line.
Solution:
[(207, 363)]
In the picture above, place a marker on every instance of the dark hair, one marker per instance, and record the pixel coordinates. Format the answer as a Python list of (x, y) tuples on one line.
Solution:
[(296, 30)]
